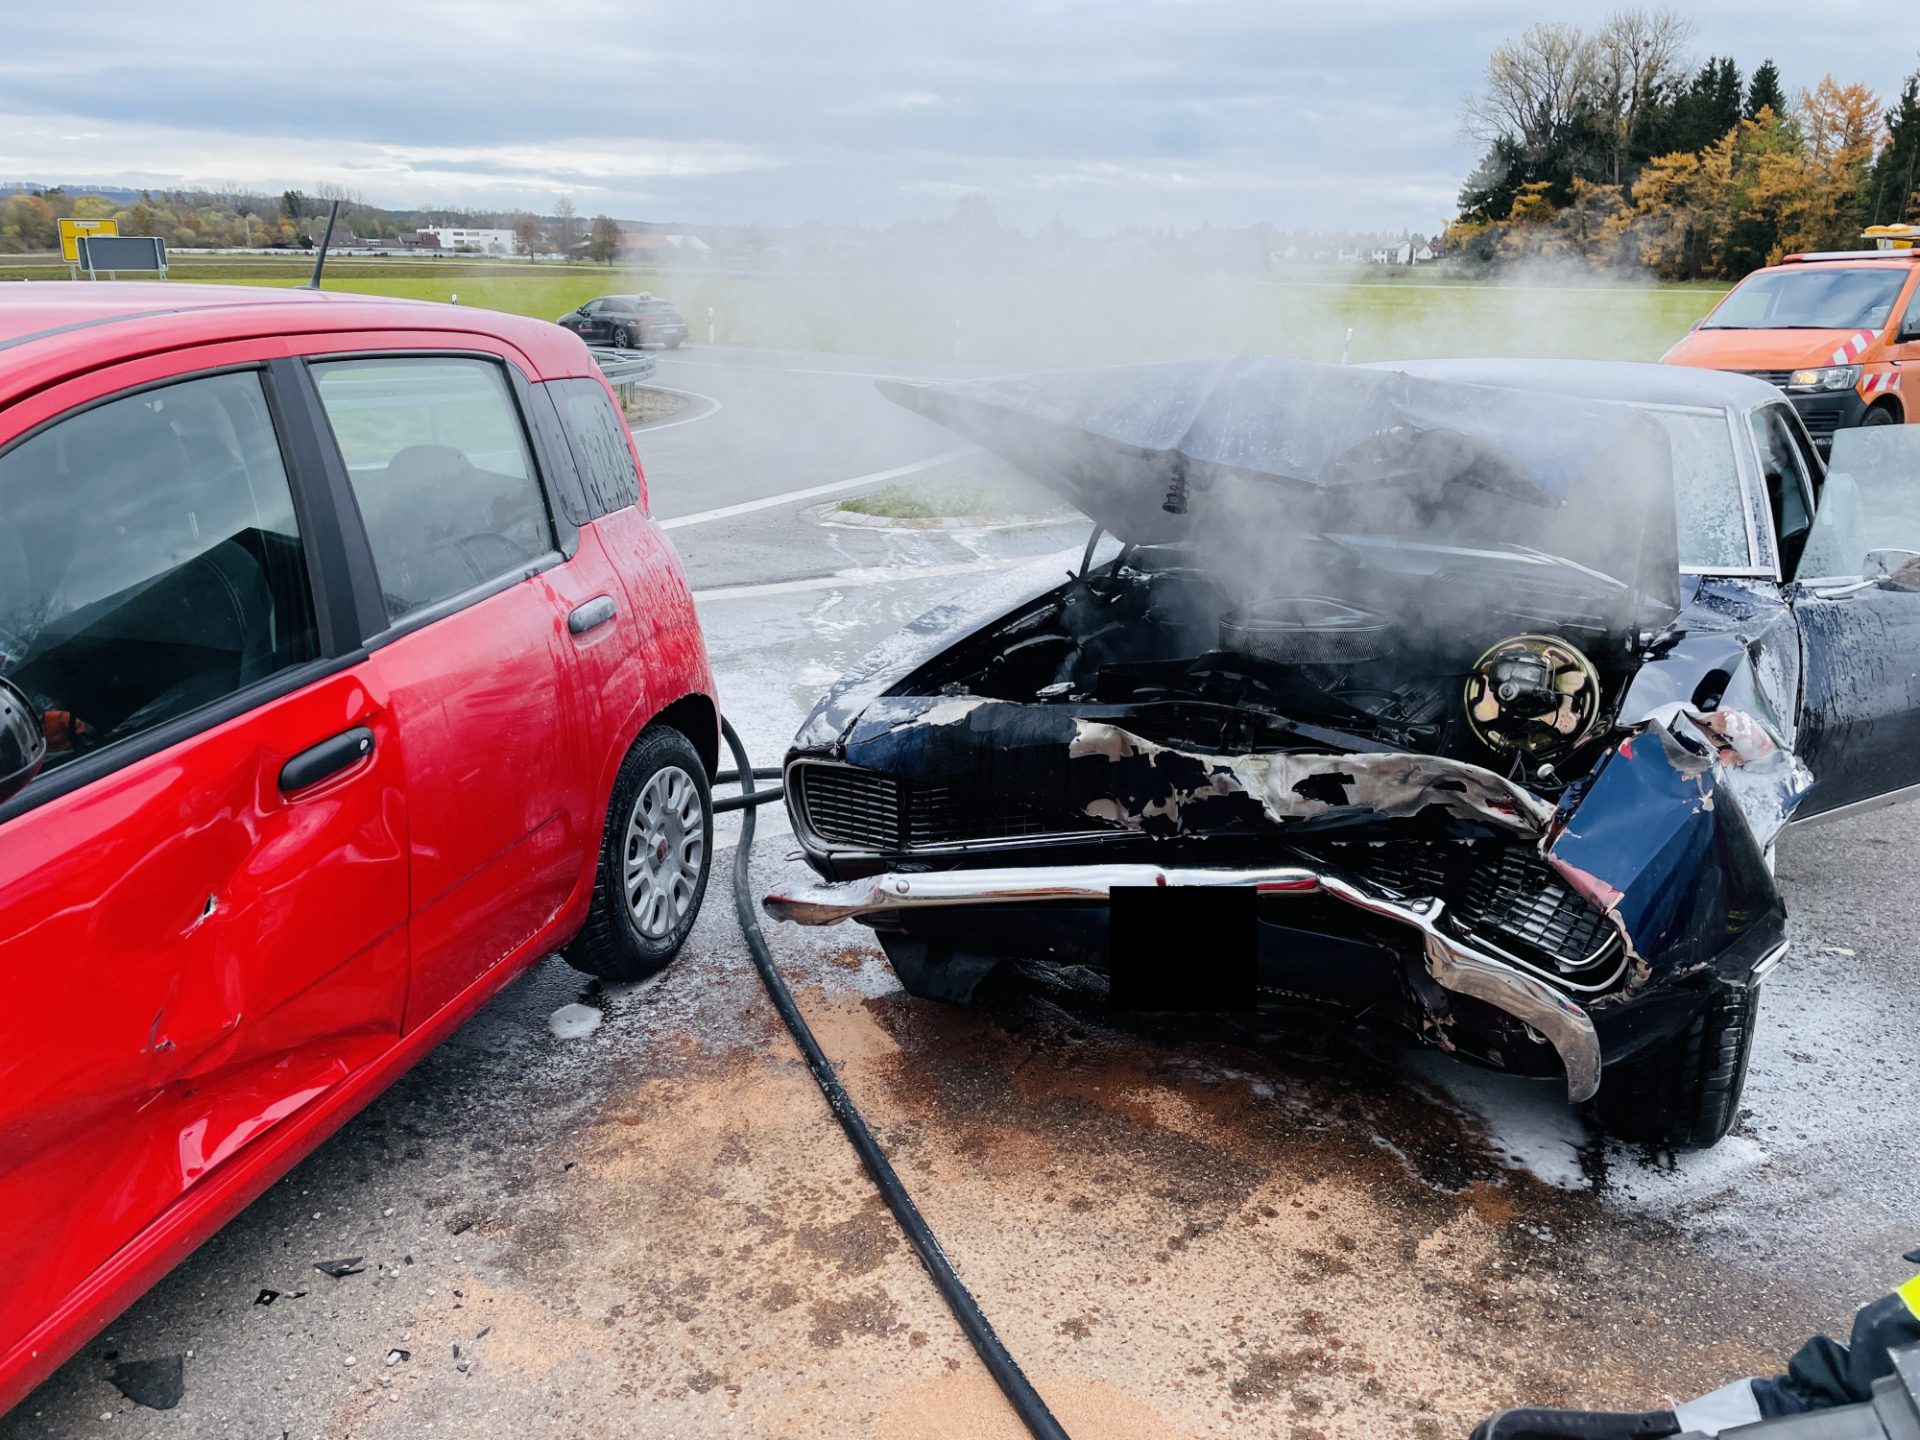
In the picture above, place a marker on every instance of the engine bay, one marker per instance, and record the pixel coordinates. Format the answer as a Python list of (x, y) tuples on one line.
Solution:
[(1505, 658)]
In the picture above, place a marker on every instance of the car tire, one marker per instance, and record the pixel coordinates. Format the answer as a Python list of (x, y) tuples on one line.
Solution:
[(1685, 1095), (673, 344), (654, 859), (1880, 415), (622, 338)]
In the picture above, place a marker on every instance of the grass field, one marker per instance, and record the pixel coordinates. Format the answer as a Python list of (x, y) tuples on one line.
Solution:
[(1057, 318)]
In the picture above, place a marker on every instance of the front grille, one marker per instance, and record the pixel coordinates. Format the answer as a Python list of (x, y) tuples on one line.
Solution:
[(850, 807), (939, 814), (1518, 899), (1821, 423), (1772, 377), (1504, 895), (845, 805), (1400, 869)]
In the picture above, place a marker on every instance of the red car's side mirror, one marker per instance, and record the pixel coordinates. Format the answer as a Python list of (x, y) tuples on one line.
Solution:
[(23, 743)]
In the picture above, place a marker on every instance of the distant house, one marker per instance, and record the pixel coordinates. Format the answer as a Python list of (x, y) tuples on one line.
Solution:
[(343, 237), (1407, 252), (469, 241)]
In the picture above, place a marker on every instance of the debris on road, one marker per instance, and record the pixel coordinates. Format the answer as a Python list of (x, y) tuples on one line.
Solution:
[(157, 1384), (338, 1269), (574, 1022)]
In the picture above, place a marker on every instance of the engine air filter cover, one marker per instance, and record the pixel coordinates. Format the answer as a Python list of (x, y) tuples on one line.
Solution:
[(1305, 630), (1534, 695)]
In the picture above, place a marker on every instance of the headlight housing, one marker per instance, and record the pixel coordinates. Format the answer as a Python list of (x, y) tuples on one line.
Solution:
[(1825, 377)]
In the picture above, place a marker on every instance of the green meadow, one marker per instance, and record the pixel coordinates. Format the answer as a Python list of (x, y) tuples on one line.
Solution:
[(1056, 317)]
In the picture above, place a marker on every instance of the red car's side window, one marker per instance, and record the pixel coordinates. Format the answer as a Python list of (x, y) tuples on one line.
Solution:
[(441, 469), (602, 451), (150, 560)]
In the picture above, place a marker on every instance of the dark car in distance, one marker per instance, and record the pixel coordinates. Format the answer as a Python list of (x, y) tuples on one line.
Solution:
[(628, 322), (1493, 682)]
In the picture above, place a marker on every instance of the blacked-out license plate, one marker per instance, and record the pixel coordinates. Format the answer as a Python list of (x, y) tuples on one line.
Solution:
[(1182, 947)]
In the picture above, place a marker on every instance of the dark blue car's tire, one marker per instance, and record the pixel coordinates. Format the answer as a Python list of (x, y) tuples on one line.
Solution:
[(654, 861), (1685, 1095)]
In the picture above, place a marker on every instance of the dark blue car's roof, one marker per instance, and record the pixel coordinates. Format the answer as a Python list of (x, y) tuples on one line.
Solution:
[(1624, 381)]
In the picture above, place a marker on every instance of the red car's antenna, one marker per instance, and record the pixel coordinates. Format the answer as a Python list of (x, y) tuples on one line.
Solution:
[(326, 239)]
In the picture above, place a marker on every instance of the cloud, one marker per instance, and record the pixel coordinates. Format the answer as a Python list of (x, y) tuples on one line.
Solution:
[(1106, 112), (509, 173)]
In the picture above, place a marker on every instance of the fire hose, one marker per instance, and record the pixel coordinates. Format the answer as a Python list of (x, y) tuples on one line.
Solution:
[(993, 1353)]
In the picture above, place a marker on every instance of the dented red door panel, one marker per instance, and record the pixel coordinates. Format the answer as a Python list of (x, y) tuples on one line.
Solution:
[(206, 957)]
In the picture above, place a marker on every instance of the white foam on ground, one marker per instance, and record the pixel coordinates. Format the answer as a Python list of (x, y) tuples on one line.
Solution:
[(1689, 1177), (573, 1022), (1532, 1128), (1529, 1122)]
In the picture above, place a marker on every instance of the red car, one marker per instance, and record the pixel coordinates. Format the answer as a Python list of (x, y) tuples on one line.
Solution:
[(364, 679)]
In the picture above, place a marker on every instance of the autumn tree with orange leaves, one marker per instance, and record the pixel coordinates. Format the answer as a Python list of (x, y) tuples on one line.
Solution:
[(1606, 150)]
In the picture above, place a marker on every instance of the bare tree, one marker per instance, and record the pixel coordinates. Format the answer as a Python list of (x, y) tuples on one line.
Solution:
[(604, 240), (326, 192), (1638, 54), (527, 237), (1536, 87), (566, 224)]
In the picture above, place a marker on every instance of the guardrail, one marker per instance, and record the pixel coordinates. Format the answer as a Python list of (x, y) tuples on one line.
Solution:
[(622, 367)]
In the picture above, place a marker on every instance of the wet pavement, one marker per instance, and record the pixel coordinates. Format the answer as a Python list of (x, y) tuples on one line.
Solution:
[(655, 1228)]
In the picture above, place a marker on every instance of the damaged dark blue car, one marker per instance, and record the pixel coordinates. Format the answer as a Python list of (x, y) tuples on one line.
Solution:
[(1494, 682)]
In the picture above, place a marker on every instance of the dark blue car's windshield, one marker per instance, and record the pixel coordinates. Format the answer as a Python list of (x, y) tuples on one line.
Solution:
[(1811, 298)]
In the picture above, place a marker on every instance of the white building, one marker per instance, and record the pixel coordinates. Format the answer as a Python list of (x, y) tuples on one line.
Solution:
[(484, 242)]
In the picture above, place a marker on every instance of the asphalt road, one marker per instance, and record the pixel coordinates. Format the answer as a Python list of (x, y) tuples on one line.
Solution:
[(658, 1230)]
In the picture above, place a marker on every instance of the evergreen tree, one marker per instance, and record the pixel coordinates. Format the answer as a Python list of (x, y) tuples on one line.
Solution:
[(1896, 174), (1726, 96), (1706, 109), (1489, 190), (1765, 93)]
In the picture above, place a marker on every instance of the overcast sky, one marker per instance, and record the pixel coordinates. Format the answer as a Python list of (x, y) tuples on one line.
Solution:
[(1103, 112)]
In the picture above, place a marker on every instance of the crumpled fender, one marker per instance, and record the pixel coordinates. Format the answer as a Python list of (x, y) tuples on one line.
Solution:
[(1656, 837)]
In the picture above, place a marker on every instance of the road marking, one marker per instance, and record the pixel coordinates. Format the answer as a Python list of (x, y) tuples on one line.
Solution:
[(852, 579), (813, 492), (713, 409)]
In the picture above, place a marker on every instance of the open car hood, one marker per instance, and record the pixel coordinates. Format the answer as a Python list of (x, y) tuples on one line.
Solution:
[(1214, 451)]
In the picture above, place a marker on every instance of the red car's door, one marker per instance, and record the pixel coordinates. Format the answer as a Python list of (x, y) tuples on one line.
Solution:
[(476, 655), (203, 896)]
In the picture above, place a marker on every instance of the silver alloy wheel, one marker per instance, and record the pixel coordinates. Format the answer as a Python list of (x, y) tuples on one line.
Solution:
[(666, 851)]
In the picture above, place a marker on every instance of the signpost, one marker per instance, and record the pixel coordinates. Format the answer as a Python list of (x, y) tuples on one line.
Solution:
[(114, 253), (70, 233)]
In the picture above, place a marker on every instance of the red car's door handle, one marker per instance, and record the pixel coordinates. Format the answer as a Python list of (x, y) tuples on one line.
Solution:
[(329, 757), (589, 614)]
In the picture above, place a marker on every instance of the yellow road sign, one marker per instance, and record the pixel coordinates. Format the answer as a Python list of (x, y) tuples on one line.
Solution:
[(72, 230)]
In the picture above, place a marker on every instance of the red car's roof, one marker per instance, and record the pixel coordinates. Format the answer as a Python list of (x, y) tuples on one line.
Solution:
[(54, 329)]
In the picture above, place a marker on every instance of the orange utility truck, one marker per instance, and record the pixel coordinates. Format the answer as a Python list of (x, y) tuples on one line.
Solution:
[(1838, 331)]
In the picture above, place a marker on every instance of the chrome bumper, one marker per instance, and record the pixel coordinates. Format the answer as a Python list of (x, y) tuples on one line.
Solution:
[(1453, 965)]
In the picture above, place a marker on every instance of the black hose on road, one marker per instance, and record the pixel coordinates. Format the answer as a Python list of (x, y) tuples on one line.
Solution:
[(1006, 1373)]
